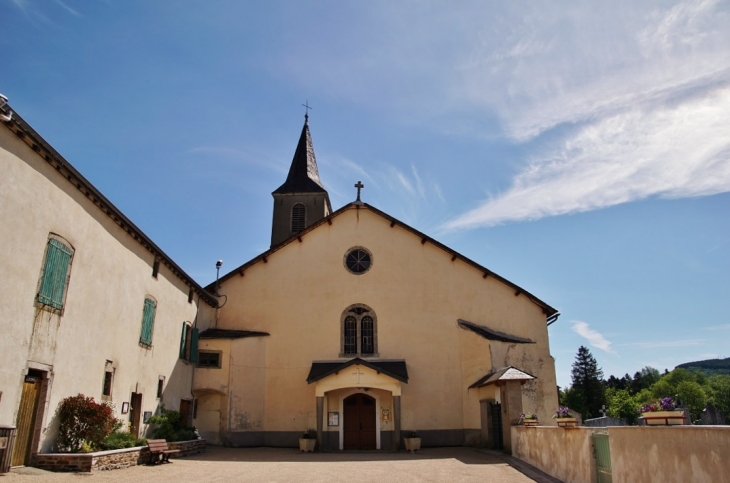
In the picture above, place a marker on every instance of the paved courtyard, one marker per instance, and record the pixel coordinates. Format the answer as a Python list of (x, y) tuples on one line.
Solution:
[(272, 465)]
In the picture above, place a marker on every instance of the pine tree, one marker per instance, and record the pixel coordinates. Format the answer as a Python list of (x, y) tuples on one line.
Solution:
[(587, 384)]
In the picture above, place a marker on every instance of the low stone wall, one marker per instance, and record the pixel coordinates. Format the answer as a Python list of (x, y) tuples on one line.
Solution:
[(188, 448), (110, 460), (565, 453), (638, 453)]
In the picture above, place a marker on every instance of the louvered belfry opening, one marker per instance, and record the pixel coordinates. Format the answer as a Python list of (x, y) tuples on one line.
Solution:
[(298, 218)]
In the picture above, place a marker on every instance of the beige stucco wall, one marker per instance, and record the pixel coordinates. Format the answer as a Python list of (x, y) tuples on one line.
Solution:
[(110, 276), (417, 292), (638, 454), (700, 454), (565, 453)]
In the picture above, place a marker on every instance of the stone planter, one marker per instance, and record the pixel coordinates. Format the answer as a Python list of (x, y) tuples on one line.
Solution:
[(663, 418), (307, 445), (530, 423), (412, 444), (567, 422)]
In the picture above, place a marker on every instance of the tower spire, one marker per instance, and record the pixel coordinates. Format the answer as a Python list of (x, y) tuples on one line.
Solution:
[(302, 200)]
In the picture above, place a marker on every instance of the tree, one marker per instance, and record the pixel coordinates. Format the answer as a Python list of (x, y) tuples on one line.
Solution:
[(587, 380), (622, 405), (693, 396)]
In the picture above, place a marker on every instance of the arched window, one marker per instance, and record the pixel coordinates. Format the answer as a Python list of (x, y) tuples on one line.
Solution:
[(359, 332), (298, 217)]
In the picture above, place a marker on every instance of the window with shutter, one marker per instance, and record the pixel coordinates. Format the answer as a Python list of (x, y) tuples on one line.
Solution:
[(148, 322), (54, 279), (194, 346)]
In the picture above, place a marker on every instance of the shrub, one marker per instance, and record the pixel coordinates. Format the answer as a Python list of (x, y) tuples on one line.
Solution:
[(119, 440), (170, 427), (83, 423)]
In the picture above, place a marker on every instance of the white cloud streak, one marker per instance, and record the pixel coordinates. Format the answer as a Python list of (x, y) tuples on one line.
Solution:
[(672, 151), (594, 338)]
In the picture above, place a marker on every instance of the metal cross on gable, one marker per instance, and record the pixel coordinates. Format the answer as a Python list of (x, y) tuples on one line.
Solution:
[(604, 410), (359, 186)]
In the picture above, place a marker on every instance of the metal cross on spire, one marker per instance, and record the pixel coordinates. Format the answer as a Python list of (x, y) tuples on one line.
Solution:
[(307, 108), (359, 186)]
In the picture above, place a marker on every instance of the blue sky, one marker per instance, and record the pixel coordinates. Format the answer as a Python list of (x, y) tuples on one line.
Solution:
[(579, 149)]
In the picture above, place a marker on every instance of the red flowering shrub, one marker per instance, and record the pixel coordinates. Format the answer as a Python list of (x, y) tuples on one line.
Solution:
[(81, 420)]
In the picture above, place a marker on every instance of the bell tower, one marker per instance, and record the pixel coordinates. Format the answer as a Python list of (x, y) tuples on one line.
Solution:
[(301, 200)]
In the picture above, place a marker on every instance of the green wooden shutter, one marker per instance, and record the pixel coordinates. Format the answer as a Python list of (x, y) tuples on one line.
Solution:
[(182, 340), (148, 321), (55, 271), (194, 346)]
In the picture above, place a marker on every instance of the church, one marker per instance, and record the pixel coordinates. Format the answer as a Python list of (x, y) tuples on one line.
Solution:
[(361, 327), (353, 324)]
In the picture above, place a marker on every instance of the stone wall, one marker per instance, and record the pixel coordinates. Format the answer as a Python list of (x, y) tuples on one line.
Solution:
[(110, 460), (188, 448), (638, 453)]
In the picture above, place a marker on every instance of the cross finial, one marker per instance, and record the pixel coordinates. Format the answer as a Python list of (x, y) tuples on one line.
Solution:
[(307, 108), (359, 186)]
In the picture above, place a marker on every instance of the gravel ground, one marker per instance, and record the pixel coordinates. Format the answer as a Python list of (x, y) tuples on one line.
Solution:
[(219, 464)]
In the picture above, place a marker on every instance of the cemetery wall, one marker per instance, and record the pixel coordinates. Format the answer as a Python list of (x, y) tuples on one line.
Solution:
[(565, 454), (670, 453), (638, 453)]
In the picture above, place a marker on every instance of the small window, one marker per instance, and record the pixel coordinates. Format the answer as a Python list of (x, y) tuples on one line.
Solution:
[(155, 268), (106, 391), (359, 326), (189, 343), (148, 322), (298, 218), (160, 386), (358, 260), (56, 270), (209, 359), (190, 296)]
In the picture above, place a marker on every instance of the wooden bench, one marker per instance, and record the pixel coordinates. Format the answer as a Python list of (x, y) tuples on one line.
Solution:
[(159, 451)]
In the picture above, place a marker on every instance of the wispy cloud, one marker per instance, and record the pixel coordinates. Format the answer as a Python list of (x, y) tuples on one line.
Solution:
[(664, 344), (672, 151), (67, 8), (719, 327), (594, 338)]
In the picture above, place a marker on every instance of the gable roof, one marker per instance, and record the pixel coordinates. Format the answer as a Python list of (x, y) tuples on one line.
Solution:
[(491, 334), (508, 373), (549, 311), (18, 126), (394, 368), (303, 174)]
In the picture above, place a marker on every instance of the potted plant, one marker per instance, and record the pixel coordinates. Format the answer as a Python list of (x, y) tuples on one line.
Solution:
[(413, 441), (529, 419), (564, 419), (661, 413), (308, 440)]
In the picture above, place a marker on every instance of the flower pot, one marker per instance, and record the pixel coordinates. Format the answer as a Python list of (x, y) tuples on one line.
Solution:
[(567, 422), (307, 445), (530, 423), (663, 418), (413, 444)]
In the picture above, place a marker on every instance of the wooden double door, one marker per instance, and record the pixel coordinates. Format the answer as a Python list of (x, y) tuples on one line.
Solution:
[(359, 422)]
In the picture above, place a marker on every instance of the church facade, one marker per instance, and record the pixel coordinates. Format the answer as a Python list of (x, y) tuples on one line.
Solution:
[(361, 327), (352, 323)]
